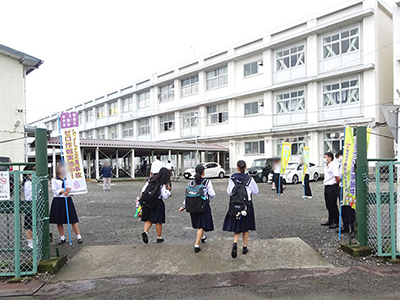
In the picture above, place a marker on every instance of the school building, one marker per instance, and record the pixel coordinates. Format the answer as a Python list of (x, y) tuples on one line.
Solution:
[(301, 83)]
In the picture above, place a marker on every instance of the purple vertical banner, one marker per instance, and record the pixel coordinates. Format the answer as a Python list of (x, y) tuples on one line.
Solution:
[(69, 120)]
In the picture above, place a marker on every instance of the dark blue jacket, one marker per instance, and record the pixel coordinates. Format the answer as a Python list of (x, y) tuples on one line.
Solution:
[(106, 171)]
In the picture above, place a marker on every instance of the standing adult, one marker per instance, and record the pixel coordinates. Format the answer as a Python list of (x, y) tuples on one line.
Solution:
[(277, 176), (331, 190), (107, 174), (143, 167), (156, 166)]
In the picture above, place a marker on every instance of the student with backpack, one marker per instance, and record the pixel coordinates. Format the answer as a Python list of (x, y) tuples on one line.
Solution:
[(240, 216), (197, 202), (153, 192)]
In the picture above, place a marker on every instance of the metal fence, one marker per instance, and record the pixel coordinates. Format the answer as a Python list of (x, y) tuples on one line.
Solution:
[(382, 207), (21, 219)]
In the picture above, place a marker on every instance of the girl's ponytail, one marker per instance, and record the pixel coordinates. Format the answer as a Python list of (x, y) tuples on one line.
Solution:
[(199, 172)]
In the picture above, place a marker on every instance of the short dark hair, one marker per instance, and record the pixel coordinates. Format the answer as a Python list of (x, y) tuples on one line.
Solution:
[(241, 164), (329, 154), (158, 157), (169, 161), (339, 153)]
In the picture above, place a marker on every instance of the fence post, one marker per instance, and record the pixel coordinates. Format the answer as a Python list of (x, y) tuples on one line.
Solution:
[(17, 229), (361, 187), (41, 171)]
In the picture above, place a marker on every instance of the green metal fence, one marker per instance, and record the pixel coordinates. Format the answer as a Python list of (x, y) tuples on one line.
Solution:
[(18, 215), (382, 185)]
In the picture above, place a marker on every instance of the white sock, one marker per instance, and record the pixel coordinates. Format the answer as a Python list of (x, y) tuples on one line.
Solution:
[(30, 243), (62, 237), (197, 246), (78, 236)]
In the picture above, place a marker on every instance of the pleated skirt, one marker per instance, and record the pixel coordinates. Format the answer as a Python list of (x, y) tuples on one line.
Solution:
[(58, 212), (203, 220), (155, 215), (240, 225)]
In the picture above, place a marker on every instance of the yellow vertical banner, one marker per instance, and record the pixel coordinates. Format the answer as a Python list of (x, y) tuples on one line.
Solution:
[(285, 156), (348, 174), (306, 161)]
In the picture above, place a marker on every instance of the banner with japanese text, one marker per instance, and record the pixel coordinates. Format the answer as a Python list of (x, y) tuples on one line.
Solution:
[(306, 161), (348, 172), (285, 156), (75, 177)]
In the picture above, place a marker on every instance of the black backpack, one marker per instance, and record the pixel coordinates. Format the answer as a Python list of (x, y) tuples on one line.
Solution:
[(195, 199), (150, 196), (239, 199)]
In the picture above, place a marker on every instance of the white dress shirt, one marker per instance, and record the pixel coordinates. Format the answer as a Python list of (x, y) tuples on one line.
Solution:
[(164, 192), (156, 166), (252, 188), (28, 190), (331, 171)]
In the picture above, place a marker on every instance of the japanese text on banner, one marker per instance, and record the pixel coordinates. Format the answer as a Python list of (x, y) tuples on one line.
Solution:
[(285, 156)]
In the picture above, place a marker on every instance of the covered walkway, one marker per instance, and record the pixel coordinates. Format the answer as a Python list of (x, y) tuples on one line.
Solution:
[(127, 156)]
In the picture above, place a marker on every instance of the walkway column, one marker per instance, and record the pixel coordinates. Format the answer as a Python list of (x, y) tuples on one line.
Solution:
[(54, 162), (152, 156), (169, 155), (97, 163), (117, 164), (202, 157), (133, 163), (218, 157), (178, 165), (89, 165)]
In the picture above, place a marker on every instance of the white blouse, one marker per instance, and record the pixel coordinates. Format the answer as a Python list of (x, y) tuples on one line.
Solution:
[(28, 190), (164, 192), (209, 192), (252, 188), (56, 187)]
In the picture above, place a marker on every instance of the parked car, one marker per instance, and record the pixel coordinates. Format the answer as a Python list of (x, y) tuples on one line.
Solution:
[(261, 168), (294, 172), (212, 170)]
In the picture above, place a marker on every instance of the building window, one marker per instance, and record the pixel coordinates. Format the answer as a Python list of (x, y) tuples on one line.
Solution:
[(342, 92), (89, 134), (114, 132), (298, 143), (166, 93), (113, 108), (89, 115), (251, 108), (333, 142), (217, 113), (250, 68), (144, 126), (167, 123), (190, 86), (55, 125), (143, 99), (127, 130), (48, 125), (290, 57), (256, 147), (80, 118), (101, 133), (341, 42), (127, 104), (101, 112), (290, 101), (217, 78), (190, 119), (80, 135)]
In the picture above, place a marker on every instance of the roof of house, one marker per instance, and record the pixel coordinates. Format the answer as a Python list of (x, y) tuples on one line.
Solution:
[(30, 62)]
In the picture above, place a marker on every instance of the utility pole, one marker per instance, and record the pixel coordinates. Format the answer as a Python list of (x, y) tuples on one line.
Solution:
[(361, 186)]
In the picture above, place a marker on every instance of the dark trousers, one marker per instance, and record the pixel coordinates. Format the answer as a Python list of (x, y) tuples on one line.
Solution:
[(331, 194), (349, 218), (307, 189), (278, 183)]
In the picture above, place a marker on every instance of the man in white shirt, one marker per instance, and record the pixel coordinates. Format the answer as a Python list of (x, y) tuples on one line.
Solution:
[(156, 166), (169, 166), (331, 192)]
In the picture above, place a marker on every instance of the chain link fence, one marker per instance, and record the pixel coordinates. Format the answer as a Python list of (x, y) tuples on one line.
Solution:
[(22, 216), (382, 207)]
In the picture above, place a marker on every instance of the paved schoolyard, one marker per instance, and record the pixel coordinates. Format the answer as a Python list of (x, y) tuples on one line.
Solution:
[(107, 219)]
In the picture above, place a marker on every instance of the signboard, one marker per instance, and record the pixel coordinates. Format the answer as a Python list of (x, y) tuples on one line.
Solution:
[(75, 178), (306, 161), (348, 172), (4, 185), (285, 156)]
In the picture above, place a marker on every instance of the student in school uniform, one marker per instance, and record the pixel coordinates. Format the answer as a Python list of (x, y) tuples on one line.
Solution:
[(28, 217), (157, 214), (244, 223), (202, 221), (156, 166), (58, 213), (106, 172)]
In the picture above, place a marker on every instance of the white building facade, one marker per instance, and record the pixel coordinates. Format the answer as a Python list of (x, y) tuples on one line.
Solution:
[(396, 50), (14, 66), (302, 84)]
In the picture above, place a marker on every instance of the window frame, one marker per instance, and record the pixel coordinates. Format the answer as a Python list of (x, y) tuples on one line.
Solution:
[(144, 129), (340, 81), (193, 116), (252, 113), (89, 115), (191, 88), (167, 93), (260, 149), (127, 131), (113, 108), (145, 99), (217, 76), (288, 53), (127, 103), (290, 99), (101, 112), (298, 140), (113, 134), (170, 122), (249, 64), (221, 112), (339, 32), (101, 136)]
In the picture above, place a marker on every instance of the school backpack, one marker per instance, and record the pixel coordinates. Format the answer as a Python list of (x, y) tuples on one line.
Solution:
[(150, 196), (195, 199), (239, 199)]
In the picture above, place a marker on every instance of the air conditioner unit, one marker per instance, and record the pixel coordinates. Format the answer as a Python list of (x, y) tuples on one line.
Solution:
[(260, 62), (261, 103)]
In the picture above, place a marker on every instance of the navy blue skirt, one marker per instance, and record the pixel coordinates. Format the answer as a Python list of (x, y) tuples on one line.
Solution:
[(240, 225), (58, 213), (155, 215), (203, 220)]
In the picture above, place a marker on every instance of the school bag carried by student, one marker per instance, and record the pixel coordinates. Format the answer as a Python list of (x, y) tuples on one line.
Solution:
[(194, 197), (239, 198), (150, 196)]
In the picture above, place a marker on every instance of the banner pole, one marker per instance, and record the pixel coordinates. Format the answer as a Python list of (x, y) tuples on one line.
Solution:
[(65, 186), (341, 193)]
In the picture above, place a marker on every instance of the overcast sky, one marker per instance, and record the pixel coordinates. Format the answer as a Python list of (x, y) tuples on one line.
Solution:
[(92, 47)]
